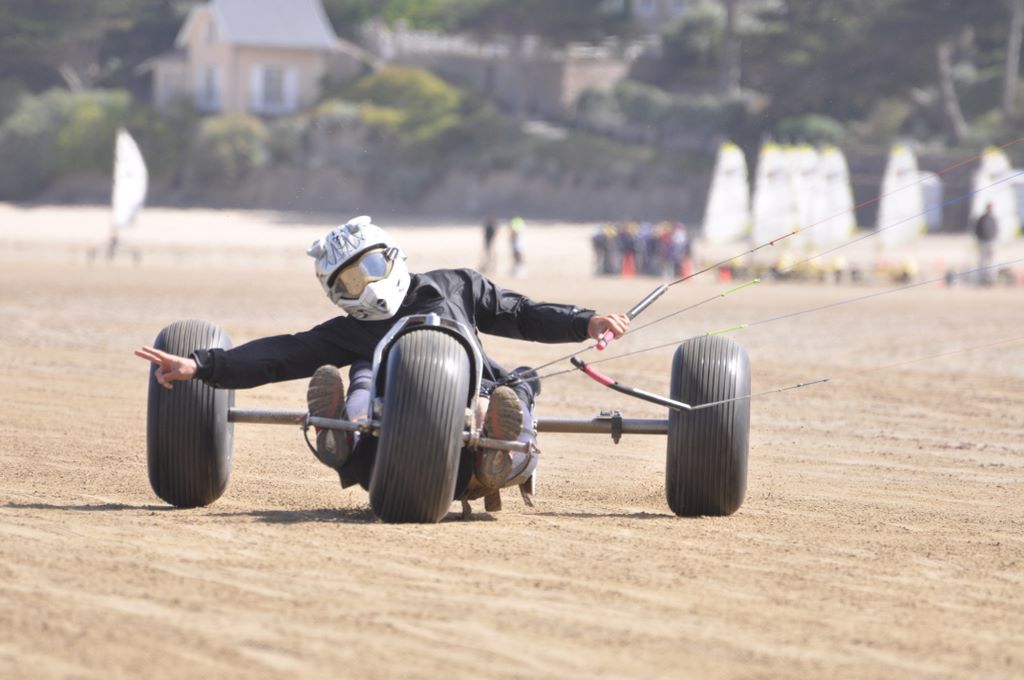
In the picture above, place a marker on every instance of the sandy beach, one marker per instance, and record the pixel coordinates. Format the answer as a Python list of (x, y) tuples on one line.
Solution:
[(882, 533)]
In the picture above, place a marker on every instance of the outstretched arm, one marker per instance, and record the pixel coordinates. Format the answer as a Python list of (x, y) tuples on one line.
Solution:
[(170, 367), (599, 324)]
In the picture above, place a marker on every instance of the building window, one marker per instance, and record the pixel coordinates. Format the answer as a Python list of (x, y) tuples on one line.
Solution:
[(208, 92), (273, 87)]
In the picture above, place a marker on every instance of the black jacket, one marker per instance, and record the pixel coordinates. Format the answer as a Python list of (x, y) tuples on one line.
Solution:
[(986, 228), (459, 294)]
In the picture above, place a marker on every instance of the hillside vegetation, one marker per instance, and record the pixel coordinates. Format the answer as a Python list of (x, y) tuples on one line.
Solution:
[(939, 72)]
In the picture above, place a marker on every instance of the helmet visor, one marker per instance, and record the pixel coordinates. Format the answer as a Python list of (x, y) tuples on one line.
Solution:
[(353, 278)]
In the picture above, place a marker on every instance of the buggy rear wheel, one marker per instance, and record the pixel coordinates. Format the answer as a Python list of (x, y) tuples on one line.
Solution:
[(706, 470), (424, 415), (188, 436)]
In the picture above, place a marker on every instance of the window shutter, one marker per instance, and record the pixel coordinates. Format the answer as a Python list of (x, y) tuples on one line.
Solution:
[(291, 89), (256, 89), (207, 88)]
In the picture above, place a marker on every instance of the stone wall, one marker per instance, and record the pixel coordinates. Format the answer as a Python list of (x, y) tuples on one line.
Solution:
[(522, 76)]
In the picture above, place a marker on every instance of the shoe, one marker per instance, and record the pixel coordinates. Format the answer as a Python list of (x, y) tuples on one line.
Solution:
[(503, 420), (326, 399), (504, 416)]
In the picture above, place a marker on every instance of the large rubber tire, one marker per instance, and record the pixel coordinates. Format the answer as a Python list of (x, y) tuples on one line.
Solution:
[(706, 470), (188, 436), (424, 414)]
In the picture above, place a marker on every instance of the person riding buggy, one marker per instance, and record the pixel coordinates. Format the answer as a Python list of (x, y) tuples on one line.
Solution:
[(362, 270)]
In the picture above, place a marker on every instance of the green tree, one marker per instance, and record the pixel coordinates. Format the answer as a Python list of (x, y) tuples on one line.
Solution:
[(346, 16), (440, 15), (553, 22), (40, 39), (817, 56), (147, 28), (1012, 63)]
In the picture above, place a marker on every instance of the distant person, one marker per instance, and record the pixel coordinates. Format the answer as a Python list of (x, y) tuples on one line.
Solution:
[(986, 229), (679, 250), (112, 243), (627, 237), (517, 239), (606, 260), (600, 246), (649, 249), (490, 229)]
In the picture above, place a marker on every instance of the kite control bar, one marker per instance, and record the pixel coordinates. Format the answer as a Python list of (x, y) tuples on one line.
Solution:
[(607, 336), (631, 391)]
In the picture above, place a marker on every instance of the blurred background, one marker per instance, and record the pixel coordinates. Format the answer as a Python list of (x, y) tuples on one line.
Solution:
[(580, 110)]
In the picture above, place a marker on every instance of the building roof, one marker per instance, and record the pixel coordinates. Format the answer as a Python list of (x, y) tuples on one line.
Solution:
[(267, 23)]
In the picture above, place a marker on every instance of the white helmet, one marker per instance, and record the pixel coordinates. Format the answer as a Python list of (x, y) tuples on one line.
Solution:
[(362, 269)]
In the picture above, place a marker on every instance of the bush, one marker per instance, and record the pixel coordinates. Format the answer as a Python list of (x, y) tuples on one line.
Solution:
[(59, 133), (643, 104), (696, 42), (991, 129), (811, 129), (420, 93), (164, 140), (407, 106), (480, 141), (85, 143), (28, 143), (226, 149), (11, 92), (599, 108), (384, 122), (702, 118), (286, 138), (582, 154), (334, 115), (885, 123), (632, 106)]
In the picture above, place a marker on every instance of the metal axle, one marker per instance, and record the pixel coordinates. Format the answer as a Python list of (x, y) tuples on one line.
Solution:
[(606, 423)]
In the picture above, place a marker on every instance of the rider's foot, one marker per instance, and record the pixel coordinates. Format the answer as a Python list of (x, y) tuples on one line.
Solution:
[(504, 416), (503, 420), (326, 399)]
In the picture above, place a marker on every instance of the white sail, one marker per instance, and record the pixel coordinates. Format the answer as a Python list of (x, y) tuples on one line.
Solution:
[(130, 180), (901, 217), (809, 195), (931, 186), (727, 211), (992, 183), (840, 220), (1018, 190), (774, 212)]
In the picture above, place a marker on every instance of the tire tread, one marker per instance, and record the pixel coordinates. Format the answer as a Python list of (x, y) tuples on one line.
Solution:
[(706, 468), (417, 462), (188, 438)]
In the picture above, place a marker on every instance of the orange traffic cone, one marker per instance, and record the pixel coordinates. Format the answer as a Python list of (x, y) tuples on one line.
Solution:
[(686, 268), (628, 267)]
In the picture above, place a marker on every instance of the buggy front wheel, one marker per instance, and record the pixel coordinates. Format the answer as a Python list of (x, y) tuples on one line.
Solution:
[(424, 415)]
